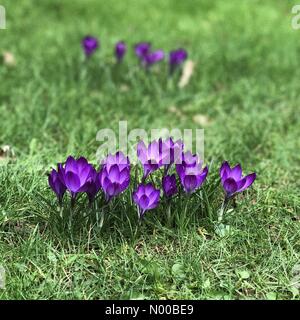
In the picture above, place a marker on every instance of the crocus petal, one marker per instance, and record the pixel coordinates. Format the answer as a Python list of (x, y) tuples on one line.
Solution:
[(144, 201), (135, 197), (241, 183), (51, 179), (249, 180), (224, 170), (230, 186), (84, 173), (83, 188), (148, 189), (236, 172), (72, 181), (61, 173), (105, 182), (201, 178), (123, 186), (190, 159), (114, 173), (154, 197), (110, 190), (124, 175), (142, 152), (153, 205), (141, 190), (71, 164), (190, 183)]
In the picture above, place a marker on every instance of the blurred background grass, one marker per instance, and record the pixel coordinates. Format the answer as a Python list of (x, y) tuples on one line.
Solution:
[(245, 83)]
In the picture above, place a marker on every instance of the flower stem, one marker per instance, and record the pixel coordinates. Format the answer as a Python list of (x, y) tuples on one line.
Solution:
[(223, 209), (169, 214)]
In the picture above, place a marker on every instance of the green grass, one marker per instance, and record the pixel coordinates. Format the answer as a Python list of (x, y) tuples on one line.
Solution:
[(246, 81)]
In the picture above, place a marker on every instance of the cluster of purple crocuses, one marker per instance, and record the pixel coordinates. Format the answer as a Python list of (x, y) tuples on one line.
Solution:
[(114, 175), (143, 51)]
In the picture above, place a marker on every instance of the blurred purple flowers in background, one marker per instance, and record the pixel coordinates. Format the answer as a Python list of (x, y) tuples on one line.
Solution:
[(233, 181), (146, 56), (176, 58), (153, 57), (142, 49), (146, 197), (120, 50), (89, 45)]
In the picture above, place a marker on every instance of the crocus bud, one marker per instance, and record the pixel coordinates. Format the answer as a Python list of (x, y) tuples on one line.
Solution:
[(89, 45), (153, 57), (120, 50), (142, 49), (56, 184), (176, 58), (93, 185), (169, 185)]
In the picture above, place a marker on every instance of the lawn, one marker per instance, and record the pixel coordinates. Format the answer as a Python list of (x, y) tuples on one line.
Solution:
[(245, 86)]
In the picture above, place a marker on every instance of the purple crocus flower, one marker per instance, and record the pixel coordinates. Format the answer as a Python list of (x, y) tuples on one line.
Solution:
[(146, 197), (169, 185), (187, 160), (115, 175), (93, 185), (120, 50), (56, 184), (75, 175), (142, 49), (89, 45), (191, 176), (233, 181), (152, 57), (176, 58), (151, 156)]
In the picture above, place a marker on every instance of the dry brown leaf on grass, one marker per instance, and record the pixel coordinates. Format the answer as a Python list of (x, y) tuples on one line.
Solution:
[(187, 72), (204, 234), (8, 59), (176, 112), (201, 119), (173, 109), (124, 88)]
